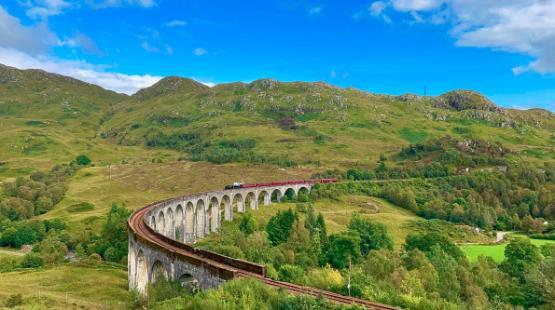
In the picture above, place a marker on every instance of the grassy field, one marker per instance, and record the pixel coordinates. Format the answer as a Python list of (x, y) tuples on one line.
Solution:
[(338, 214), (473, 251), (141, 183), (68, 287)]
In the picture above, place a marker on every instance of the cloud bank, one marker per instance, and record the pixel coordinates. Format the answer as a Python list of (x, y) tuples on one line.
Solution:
[(519, 26)]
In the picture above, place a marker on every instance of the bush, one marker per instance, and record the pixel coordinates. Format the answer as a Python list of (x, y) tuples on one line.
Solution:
[(31, 260), (248, 225), (290, 273), (164, 289), (83, 160), (426, 242)]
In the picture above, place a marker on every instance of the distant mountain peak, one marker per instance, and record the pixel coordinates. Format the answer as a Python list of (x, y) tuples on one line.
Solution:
[(170, 84), (465, 100)]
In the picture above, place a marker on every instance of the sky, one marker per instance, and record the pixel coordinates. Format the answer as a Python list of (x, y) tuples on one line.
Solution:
[(501, 48)]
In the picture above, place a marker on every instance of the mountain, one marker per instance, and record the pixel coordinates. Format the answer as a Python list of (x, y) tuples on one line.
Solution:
[(49, 117), (39, 94), (313, 123)]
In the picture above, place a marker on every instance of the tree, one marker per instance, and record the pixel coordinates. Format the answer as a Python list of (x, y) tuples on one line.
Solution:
[(51, 249), (426, 241), (305, 247), (531, 225), (248, 224), (520, 255), (373, 236), (279, 226), (344, 248)]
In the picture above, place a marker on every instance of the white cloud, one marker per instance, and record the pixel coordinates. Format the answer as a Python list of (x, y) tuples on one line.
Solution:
[(416, 5), (26, 47), (122, 83), (377, 8), (333, 74), (315, 10), (102, 4), (519, 26), (176, 23), (45, 8), (82, 41), (31, 39), (199, 51)]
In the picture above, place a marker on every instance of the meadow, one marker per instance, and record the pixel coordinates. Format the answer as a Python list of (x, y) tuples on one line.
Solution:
[(495, 251)]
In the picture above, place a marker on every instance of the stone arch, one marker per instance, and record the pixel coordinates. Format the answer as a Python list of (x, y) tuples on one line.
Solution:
[(263, 198), (153, 222), (141, 273), (290, 194), (158, 271), (239, 201), (250, 199), (276, 195), (179, 227), (226, 206), (161, 223), (170, 223), (200, 219), (303, 191), (189, 222), (188, 282)]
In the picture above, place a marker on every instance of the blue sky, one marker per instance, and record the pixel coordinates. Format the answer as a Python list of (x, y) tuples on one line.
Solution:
[(500, 48)]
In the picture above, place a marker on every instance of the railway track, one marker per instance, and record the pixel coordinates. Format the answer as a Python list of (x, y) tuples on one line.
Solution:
[(138, 225)]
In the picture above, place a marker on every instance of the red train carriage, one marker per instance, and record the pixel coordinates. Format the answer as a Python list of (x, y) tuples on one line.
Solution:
[(238, 185)]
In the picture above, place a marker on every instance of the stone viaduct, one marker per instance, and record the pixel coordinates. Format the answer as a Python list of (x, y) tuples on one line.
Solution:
[(162, 234), (186, 219)]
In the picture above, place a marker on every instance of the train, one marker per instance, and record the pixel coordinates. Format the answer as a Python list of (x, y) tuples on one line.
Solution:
[(239, 185)]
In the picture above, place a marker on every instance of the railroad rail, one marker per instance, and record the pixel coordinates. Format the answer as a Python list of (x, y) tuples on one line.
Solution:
[(223, 267)]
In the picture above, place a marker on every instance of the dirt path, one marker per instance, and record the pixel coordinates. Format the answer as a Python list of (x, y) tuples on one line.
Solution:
[(500, 236)]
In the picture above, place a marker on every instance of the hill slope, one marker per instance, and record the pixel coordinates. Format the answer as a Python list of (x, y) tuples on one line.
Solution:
[(47, 118), (313, 123)]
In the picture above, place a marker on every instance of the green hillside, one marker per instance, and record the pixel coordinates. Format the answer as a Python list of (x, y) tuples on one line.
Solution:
[(314, 123), (47, 119)]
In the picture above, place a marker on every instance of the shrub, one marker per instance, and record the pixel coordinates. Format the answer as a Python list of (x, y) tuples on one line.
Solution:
[(83, 160), (31, 260), (290, 273), (164, 289), (248, 225)]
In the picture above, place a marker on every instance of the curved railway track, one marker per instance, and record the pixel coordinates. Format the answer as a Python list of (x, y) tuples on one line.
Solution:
[(138, 225)]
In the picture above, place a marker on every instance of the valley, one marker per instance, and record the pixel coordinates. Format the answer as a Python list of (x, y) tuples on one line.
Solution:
[(410, 168)]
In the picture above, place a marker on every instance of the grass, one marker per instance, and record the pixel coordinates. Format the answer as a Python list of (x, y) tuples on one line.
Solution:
[(136, 185), (10, 252), (496, 251), (338, 214), (67, 287)]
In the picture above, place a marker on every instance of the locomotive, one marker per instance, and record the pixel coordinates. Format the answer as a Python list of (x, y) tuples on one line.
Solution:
[(238, 185)]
